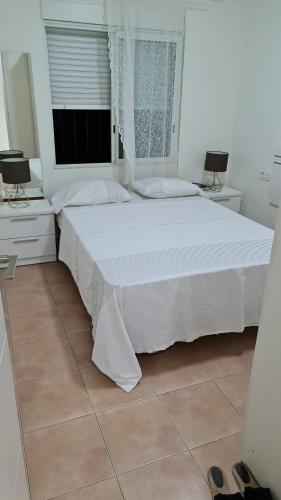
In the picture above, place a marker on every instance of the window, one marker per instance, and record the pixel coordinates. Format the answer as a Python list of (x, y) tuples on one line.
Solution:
[(154, 96), (81, 95), (84, 129), (155, 70)]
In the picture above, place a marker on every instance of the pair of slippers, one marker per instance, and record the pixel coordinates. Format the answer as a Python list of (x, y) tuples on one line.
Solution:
[(247, 484)]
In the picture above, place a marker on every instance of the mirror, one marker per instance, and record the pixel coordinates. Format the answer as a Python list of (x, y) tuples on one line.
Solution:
[(18, 128)]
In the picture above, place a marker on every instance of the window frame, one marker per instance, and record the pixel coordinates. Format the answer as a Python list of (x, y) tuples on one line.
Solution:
[(177, 38)]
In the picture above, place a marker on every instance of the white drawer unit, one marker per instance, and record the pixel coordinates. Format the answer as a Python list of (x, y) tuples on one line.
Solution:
[(228, 197), (26, 225), (28, 232)]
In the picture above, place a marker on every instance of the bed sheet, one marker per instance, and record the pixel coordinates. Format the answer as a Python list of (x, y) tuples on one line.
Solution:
[(151, 274)]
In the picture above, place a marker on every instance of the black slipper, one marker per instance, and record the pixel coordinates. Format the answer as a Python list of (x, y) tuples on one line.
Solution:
[(218, 482), (247, 483)]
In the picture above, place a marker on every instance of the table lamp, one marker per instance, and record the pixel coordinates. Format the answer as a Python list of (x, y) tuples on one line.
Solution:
[(216, 162), (8, 153), (16, 172), (11, 153)]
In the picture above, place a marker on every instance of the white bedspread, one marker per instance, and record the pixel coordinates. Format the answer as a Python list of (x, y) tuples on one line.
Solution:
[(154, 273)]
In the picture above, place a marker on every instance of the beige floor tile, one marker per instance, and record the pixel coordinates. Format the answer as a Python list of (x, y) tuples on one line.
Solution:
[(66, 294), (176, 478), (227, 353), (35, 326), (56, 273), (37, 359), (51, 400), (104, 393), (26, 277), (235, 387), (82, 345), (223, 453), (105, 490), (202, 414), (65, 457), (29, 299), (139, 433), (172, 369), (75, 318)]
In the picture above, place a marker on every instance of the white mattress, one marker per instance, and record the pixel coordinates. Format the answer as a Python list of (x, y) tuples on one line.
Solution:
[(156, 272)]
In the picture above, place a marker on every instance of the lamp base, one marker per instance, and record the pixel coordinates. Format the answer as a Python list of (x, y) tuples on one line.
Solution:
[(16, 196), (213, 183)]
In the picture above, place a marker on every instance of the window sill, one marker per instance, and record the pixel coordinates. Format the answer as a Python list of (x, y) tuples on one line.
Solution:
[(84, 165)]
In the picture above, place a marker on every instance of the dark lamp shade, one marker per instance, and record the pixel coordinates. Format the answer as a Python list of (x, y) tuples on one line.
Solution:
[(11, 153), (216, 161), (15, 170)]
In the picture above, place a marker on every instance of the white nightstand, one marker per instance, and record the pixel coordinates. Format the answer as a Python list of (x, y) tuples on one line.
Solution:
[(228, 197), (28, 232)]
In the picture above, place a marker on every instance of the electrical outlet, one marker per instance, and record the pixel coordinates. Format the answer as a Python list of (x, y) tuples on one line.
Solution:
[(263, 176)]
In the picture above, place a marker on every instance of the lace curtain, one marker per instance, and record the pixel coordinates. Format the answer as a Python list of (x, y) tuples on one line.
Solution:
[(145, 43)]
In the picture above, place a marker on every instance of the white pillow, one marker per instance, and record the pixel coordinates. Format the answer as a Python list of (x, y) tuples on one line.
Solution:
[(164, 187), (90, 192)]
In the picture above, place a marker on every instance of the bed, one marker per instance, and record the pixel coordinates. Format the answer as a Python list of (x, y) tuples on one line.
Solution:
[(155, 272)]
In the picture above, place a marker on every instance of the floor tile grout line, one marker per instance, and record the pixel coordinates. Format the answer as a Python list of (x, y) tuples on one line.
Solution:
[(63, 336), (229, 400), (53, 373), (7, 318), (82, 487), (215, 441), (153, 396), (102, 435), (26, 433), (231, 373), (56, 372), (48, 375), (206, 444), (54, 308), (162, 404), (121, 405), (187, 450), (109, 455), (23, 434), (167, 457), (144, 465)]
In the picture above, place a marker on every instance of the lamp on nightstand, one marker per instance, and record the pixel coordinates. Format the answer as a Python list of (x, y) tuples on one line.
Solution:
[(11, 153), (16, 172), (216, 162)]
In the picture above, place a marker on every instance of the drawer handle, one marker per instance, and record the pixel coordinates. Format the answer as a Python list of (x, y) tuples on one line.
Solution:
[(23, 219), (26, 240), (222, 199)]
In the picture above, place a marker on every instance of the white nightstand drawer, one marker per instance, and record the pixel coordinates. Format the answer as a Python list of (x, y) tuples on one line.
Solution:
[(26, 225), (233, 203), (29, 247)]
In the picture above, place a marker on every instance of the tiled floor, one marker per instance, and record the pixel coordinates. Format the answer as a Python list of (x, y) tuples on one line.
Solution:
[(86, 439)]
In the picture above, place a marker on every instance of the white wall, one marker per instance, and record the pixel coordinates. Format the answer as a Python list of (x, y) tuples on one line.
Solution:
[(262, 433), (212, 67), (258, 127), (212, 61)]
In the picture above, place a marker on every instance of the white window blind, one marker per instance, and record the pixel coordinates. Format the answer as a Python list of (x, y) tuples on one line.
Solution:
[(79, 68)]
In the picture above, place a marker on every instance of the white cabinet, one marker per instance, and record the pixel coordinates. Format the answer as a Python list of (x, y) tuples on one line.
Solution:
[(28, 232), (228, 197), (13, 481)]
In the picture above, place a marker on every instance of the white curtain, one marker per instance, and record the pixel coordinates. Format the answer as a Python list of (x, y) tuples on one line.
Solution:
[(145, 47)]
